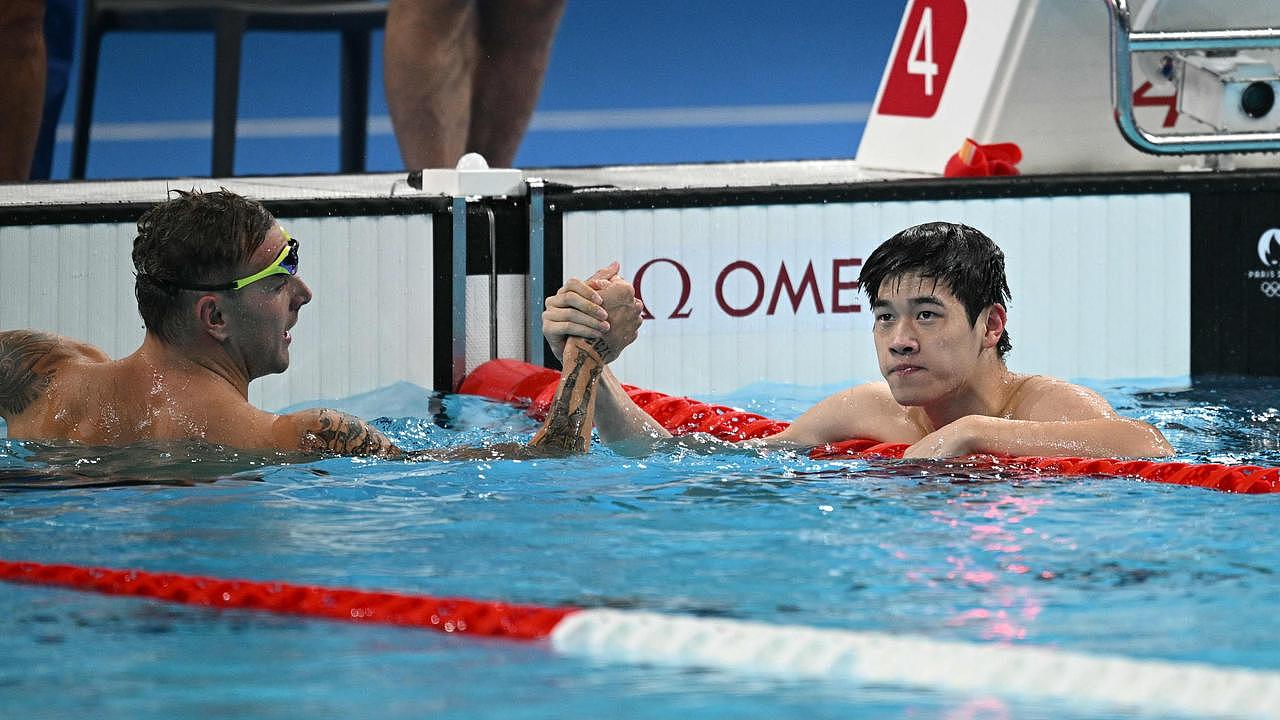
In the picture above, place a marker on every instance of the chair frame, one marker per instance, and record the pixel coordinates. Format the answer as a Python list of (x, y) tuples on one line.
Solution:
[(229, 20)]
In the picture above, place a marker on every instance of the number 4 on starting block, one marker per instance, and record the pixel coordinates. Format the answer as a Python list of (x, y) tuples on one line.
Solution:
[(1032, 72), (918, 74)]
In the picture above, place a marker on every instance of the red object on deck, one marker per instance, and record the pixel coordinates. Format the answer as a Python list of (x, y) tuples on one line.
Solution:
[(525, 384), (976, 160)]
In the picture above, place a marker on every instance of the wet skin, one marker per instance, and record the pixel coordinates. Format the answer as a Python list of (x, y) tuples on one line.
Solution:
[(55, 388), (194, 390)]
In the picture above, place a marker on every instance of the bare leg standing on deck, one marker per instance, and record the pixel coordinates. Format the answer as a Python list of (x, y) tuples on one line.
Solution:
[(22, 80), (464, 76)]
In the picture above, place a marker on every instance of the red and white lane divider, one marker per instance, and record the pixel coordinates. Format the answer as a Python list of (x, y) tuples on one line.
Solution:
[(519, 382), (786, 652), (829, 654)]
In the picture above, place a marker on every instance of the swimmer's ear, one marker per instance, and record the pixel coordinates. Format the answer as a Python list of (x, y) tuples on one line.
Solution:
[(211, 319), (993, 319)]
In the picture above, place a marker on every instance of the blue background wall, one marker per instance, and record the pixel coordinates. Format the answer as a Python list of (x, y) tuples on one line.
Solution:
[(817, 63)]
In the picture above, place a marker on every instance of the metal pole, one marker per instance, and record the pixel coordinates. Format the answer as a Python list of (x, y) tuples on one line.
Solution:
[(459, 331), (493, 285), (536, 287)]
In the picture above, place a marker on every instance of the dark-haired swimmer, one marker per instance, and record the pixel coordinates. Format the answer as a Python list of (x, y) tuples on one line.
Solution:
[(939, 295), (218, 290)]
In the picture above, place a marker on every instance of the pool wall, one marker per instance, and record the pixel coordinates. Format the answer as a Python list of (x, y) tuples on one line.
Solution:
[(753, 292), (748, 270), (368, 326), (1114, 276)]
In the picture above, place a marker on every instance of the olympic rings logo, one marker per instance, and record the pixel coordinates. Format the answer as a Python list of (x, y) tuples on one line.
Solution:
[(1270, 288)]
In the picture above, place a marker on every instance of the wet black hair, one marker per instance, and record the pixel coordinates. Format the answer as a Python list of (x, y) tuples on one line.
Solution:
[(964, 259), (193, 237)]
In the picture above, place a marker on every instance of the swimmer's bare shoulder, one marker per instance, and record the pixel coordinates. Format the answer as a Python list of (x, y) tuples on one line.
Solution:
[(29, 360), (331, 432), (863, 411), (1048, 399)]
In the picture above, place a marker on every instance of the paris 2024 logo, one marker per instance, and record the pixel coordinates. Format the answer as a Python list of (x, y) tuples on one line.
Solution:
[(1269, 256)]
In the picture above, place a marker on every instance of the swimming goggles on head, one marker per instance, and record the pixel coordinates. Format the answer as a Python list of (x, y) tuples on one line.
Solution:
[(286, 263)]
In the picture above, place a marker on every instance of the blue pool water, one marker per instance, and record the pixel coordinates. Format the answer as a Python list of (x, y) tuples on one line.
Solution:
[(1106, 566)]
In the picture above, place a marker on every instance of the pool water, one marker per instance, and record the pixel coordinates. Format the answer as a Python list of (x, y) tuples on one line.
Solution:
[(1109, 566)]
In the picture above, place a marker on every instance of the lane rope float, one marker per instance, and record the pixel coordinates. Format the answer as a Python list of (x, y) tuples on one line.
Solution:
[(517, 622), (760, 649), (513, 381)]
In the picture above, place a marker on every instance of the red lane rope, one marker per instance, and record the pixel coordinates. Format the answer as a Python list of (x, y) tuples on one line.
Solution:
[(733, 645), (517, 382), (451, 615)]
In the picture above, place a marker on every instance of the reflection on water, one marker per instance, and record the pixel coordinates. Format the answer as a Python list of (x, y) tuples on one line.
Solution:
[(26, 465), (944, 549), (1219, 419)]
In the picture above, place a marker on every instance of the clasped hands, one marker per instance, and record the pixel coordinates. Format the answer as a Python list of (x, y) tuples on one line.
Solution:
[(604, 306)]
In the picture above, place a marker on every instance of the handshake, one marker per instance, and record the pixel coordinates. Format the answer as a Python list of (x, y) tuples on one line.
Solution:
[(602, 310), (587, 324)]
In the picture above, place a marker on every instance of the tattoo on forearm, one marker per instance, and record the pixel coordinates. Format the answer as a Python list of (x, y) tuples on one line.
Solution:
[(601, 346), (568, 424), (343, 434), (20, 383)]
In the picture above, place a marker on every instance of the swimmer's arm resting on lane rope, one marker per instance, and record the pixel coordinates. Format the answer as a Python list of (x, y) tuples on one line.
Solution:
[(1114, 437), (864, 411), (622, 424), (1053, 418), (630, 430)]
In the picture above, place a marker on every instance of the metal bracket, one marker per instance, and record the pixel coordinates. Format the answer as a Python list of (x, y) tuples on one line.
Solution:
[(1125, 41), (533, 342)]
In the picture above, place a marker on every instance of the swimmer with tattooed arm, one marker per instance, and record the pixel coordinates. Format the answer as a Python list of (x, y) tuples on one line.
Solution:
[(218, 288)]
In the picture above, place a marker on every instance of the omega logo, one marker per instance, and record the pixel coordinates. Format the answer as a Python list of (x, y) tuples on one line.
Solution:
[(759, 286)]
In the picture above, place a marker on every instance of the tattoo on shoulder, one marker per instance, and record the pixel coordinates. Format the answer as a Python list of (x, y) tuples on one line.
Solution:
[(20, 382), (344, 434)]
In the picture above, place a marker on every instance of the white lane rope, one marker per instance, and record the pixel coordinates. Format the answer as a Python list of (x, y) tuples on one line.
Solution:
[(789, 652)]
